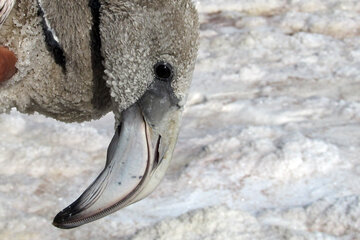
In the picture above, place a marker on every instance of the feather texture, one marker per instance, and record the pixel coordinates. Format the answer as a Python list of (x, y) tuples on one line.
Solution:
[(5, 9)]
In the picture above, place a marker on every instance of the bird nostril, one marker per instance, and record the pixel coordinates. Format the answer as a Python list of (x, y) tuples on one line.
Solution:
[(163, 71), (7, 64)]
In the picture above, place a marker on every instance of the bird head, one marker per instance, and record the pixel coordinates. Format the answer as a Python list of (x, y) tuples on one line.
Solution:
[(149, 50)]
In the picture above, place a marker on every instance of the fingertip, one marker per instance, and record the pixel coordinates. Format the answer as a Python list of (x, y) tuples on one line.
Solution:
[(7, 64)]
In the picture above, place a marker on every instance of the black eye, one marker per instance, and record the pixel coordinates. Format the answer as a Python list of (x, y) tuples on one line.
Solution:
[(163, 71)]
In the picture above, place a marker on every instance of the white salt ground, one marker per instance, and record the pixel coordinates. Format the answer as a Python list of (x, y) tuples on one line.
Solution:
[(269, 147)]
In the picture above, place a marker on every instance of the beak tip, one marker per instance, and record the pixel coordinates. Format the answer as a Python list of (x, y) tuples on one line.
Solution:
[(62, 218), (57, 224)]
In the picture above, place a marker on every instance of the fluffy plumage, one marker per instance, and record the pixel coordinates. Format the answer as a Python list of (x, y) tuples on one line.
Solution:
[(133, 38), (5, 8), (41, 84)]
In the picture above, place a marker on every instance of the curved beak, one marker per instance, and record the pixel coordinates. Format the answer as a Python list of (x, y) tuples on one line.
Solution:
[(137, 158)]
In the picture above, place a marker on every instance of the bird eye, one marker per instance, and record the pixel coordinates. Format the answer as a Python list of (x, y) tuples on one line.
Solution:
[(163, 71)]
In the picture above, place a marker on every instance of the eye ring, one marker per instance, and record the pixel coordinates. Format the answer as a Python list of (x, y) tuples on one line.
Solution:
[(163, 71)]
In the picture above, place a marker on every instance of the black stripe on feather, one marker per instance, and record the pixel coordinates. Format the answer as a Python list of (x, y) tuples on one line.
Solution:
[(51, 44), (101, 91)]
